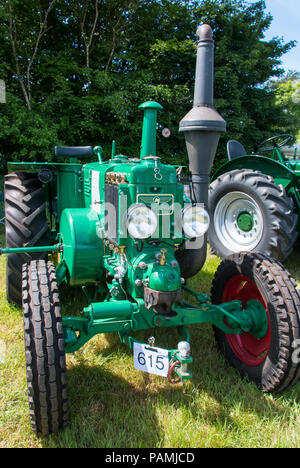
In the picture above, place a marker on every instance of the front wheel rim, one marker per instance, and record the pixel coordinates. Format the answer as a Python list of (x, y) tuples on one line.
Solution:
[(249, 350), (238, 222)]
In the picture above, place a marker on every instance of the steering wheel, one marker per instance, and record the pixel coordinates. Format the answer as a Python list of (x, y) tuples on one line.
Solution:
[(283, 140)]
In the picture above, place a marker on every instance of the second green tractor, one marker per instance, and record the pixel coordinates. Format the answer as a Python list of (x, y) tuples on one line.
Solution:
[(254, 200)]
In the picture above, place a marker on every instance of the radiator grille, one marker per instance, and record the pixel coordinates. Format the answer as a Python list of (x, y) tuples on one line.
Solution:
[(111, 212)]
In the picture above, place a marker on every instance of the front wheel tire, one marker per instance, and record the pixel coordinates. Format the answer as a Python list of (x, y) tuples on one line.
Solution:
[(272, 362), (44, 348)]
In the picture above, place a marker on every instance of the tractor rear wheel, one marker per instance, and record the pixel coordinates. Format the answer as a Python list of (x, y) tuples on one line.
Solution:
[(250, 212), (272, 362), (44, 348), (25, 226)]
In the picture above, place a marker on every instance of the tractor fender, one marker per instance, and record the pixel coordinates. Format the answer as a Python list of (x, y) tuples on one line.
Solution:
[(82, 247), (280, 173), (192, 260)]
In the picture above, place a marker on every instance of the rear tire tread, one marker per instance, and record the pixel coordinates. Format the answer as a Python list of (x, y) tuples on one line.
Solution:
[(26, 226), (282, 232), (285, 299)]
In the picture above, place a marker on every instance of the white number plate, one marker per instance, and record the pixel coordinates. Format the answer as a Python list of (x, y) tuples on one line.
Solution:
[(152, 360)]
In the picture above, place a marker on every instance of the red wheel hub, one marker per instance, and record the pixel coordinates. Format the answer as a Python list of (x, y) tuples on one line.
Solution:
[(250, 350)]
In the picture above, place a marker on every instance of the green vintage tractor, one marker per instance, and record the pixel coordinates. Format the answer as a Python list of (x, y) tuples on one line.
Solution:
[(124, 231), (254, 200)]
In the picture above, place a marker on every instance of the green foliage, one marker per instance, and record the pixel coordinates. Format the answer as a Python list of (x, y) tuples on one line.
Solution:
[(288, 98), (26, 135), (76, 72)]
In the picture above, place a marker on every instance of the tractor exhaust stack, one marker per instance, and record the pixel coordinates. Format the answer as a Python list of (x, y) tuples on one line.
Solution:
[(202, 126)]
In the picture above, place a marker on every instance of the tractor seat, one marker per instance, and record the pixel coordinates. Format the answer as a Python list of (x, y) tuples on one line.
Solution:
[(73, 151), (235, 149)]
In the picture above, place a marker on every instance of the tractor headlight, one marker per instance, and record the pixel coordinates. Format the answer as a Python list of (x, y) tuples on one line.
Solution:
[(195, 221), (141, 221)]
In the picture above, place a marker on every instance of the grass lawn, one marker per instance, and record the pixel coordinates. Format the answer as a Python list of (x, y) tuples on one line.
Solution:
[(112, 405)]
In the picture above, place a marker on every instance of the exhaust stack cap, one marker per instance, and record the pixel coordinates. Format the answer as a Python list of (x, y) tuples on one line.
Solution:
[(205, 33), (203, 116)]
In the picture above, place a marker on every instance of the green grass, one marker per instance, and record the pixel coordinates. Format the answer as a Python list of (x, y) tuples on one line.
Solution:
[(112, 405)]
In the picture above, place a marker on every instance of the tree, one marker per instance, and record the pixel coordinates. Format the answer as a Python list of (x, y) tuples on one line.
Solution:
[(24, 49), (77, 71), (287, 93)]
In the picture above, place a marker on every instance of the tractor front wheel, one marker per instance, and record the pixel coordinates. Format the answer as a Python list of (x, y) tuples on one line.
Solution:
[(272, 361), (44, 348), (250, 212)]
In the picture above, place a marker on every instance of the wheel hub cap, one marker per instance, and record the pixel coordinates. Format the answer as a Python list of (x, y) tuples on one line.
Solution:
[(245, 222)]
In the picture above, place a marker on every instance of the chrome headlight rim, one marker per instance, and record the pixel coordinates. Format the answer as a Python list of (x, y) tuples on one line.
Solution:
[(186, 227), (129, 221)]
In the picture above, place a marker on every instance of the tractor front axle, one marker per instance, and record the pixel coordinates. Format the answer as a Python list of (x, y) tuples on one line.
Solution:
[(125, 317)]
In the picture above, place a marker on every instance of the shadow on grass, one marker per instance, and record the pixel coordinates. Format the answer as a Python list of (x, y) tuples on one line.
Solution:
[(112, 411), (106, 411), (109, 411)]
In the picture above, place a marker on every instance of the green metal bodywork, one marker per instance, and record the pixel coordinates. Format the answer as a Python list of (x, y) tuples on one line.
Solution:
[(93, 252), (82, 248), (148, 145), (126, 317), (40, 249), (285, 172)]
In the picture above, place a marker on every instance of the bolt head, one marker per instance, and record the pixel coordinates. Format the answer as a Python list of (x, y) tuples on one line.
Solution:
[(114, 291)]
